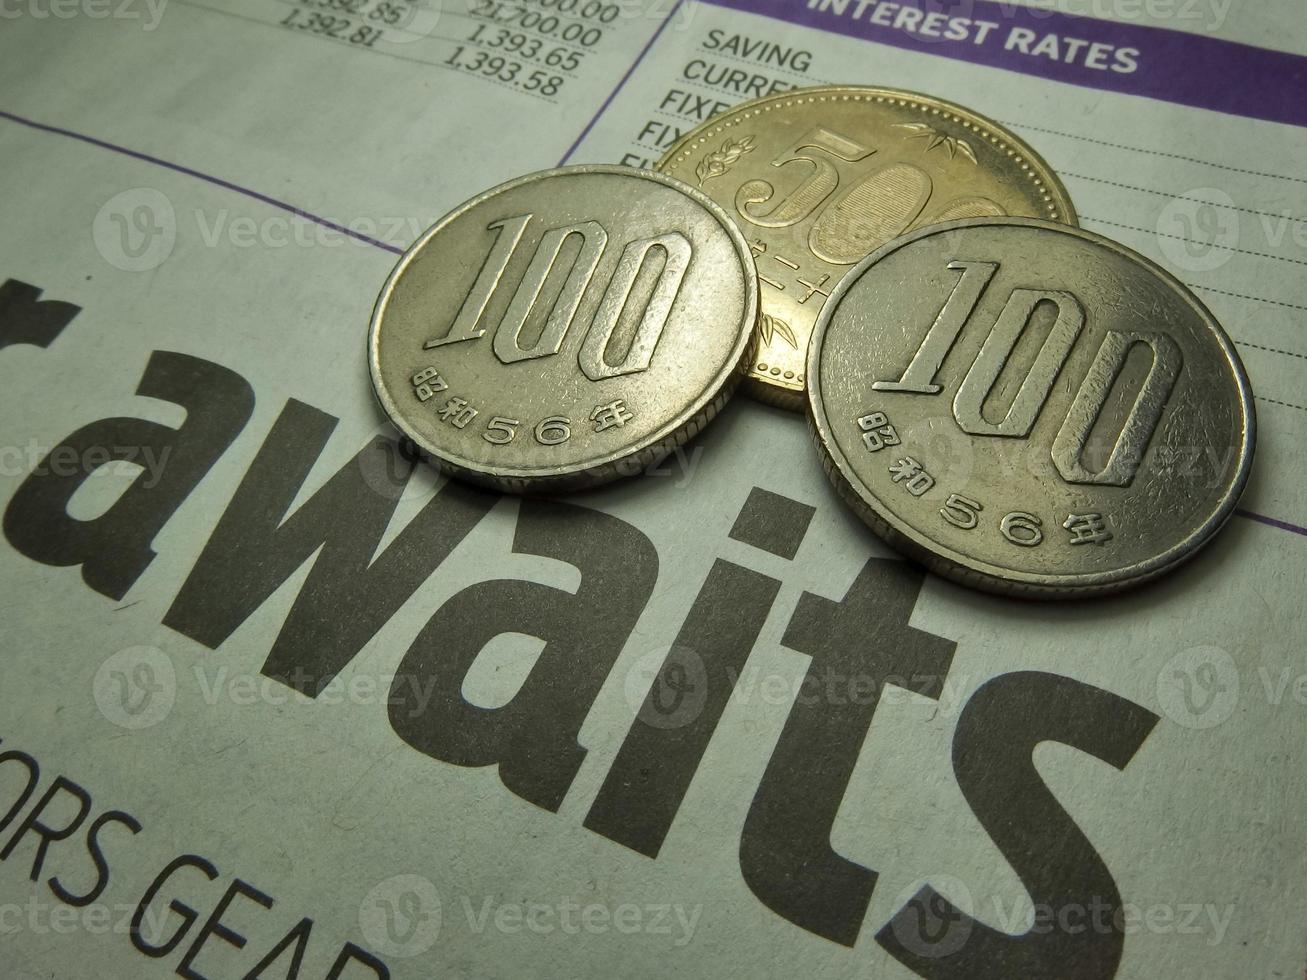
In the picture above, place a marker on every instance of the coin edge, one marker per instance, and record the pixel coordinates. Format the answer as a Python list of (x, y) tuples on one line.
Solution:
[(985, 575), (774, 391), (614, 466)]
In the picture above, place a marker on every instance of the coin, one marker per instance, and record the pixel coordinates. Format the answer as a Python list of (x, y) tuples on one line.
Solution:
[(1029, 408), (818, 178), (564, 328)]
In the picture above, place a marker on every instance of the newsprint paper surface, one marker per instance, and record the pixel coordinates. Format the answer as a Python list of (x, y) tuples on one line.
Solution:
[(276, 703)]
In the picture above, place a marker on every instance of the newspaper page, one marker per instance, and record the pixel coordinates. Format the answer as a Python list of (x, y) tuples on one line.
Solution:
[(277, 702)]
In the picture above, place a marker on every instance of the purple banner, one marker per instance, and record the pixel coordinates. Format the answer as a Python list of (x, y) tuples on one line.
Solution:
[(1136, 59)]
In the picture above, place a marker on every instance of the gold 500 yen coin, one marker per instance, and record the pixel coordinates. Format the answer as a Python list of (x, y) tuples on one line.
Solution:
[(818, 178)]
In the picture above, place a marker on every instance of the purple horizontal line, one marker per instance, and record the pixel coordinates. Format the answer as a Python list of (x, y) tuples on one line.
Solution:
[(1176, 66), (1272, 522), (207, 178)]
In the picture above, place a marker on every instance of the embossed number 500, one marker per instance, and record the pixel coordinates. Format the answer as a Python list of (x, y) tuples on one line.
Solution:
[(880, 207)]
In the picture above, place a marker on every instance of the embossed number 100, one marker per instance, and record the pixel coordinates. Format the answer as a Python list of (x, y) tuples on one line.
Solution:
[(593, 357), (1069, 444)]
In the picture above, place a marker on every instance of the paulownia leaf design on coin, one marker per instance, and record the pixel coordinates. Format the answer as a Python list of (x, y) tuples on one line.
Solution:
[(953, 144), (717, 162), (772, 326)]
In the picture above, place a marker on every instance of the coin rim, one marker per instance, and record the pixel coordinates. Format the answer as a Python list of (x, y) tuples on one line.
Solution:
[(774, 391), (991, 577), (629, 459)]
